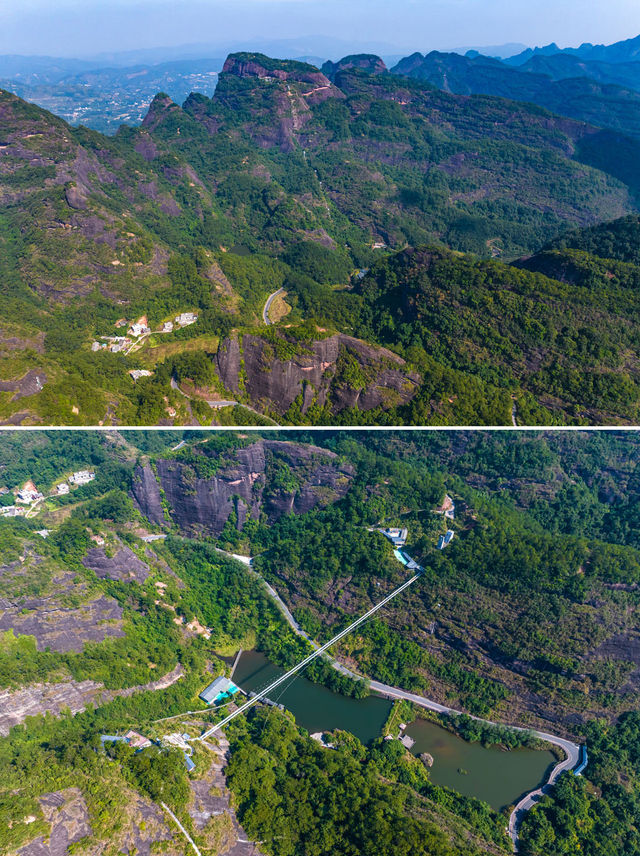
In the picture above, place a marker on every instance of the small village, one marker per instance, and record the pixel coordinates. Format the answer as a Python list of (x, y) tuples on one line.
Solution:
[(28, 497), (137, 332)]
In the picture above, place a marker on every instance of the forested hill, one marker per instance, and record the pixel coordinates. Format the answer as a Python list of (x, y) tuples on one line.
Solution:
[(288, 178), (602, 102)]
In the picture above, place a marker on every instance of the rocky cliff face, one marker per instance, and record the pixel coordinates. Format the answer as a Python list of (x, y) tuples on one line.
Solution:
[(124, 566), (340, 371), (278, 95), (246, 482)]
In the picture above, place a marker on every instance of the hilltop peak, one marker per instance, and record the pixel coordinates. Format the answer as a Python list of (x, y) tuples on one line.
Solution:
[(252, 65), (369, 63), (159, 109)]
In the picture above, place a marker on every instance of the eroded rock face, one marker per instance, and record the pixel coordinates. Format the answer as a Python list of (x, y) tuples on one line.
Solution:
[(124, 566), (244, 484), (59, 627), (67, 813), (17, 705), (317, 374), (29, 384)]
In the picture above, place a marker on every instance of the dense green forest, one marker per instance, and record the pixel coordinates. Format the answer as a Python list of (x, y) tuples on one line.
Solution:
[(528, 617)]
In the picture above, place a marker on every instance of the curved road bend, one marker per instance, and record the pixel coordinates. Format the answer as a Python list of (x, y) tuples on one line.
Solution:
[(267, 306), (571, 749)]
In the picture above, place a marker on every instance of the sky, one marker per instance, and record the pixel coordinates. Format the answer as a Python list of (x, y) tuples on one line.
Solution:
[(88, 27)]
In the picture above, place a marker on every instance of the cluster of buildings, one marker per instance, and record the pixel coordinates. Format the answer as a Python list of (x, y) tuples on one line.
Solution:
[(115, 344), (12, 511), (29, 494), (118, 344)]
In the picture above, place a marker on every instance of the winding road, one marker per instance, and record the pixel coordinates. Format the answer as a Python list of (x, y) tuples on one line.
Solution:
[(571, 749), (267, 306)]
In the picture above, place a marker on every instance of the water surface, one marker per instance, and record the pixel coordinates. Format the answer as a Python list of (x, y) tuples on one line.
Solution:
[(488, 773), (315, 707)]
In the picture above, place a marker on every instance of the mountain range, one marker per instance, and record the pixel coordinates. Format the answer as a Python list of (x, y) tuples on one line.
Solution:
[(303, 184)]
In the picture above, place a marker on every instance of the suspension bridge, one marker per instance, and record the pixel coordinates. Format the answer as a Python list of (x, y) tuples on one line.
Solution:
[(264, 693)]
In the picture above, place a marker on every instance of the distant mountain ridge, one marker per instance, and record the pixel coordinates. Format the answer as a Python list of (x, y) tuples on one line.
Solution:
[(623, 51), (570, 92)]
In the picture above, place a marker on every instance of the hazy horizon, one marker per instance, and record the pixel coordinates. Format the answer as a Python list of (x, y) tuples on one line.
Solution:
[(87, 28)]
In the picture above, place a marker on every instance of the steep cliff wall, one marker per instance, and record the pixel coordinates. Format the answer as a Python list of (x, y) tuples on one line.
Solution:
[(340, 371), (269, 478)]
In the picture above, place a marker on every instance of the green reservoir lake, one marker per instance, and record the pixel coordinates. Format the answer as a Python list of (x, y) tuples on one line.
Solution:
[(490, 774), (315, 707)]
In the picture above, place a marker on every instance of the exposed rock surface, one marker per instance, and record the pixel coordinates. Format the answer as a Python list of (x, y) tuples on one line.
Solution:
[(29, 384), (67, 813), (17, 705), (211, 798), (241, 484), (124, 566), (62, 628), (315, 374)]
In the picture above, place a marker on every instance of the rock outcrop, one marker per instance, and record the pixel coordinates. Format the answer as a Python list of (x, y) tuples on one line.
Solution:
[(76, 696), (245, 483), (124, 566), (56, 626), (321, 373), (31, 384), (68, 815)]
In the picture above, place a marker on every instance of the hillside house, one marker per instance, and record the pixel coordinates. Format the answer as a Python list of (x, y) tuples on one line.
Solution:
[(28, 494), (12, 511), (62, 488), (186, 318), (398, 537), (136, 374), (443, 540), (138, 329), (136, 740), (167, 327)]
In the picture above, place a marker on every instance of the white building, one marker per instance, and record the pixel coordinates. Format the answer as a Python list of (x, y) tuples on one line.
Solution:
[(186, 318), (138, 330), (62, 488), (28, 494), (398, 537), (138, 373), (12, 511), (167, 327), (82, 477)]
